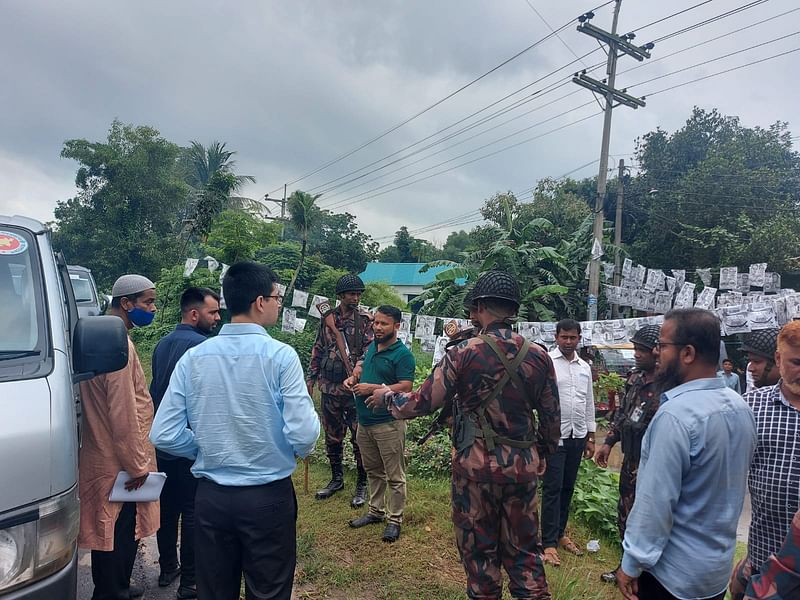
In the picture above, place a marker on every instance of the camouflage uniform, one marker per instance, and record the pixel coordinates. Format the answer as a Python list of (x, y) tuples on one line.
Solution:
[(494, 491), (639, 404), (337, 403), (780, 574)]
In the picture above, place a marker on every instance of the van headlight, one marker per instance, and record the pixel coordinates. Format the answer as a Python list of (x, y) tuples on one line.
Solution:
[(42, 544)]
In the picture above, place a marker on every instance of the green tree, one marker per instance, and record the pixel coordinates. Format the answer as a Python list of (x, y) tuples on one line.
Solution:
[(378, 293), (211, 174), (124, 218), (408, 249), (715, 193), (302, 215), (457, 243), (235, 236)]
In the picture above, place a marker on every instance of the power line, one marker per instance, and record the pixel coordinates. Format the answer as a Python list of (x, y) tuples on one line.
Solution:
[(437, 103), (731, 12), (675, 14), (505, 110)]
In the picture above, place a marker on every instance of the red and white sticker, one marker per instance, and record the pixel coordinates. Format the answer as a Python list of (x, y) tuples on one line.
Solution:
[(11, 243)]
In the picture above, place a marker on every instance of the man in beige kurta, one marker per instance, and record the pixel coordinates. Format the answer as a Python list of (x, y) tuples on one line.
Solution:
[(117, 415)]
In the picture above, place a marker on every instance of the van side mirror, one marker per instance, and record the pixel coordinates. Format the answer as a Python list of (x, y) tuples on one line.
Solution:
[(104, 303), (99, 345)]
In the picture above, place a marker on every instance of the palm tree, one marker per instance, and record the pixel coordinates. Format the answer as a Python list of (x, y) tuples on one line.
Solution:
[(214, 185), (303, 213)]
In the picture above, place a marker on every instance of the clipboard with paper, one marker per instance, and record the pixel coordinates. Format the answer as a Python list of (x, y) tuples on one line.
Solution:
[(149, 492)]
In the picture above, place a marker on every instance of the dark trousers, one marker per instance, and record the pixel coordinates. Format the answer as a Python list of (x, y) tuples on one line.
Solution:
[(339, 416), (177, 503), (248, 530), (111, 571), (557, 488), (651, 589)]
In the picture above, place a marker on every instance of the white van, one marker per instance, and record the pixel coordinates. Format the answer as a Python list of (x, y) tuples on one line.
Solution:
[(45, 349)]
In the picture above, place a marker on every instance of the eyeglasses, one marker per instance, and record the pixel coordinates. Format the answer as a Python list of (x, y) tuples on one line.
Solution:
[(659, 343)]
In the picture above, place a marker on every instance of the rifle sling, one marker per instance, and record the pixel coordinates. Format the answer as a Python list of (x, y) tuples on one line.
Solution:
[(486, 430)]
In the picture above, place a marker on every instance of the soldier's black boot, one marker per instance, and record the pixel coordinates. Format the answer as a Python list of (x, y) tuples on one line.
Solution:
[(334, 485), (360, 497)]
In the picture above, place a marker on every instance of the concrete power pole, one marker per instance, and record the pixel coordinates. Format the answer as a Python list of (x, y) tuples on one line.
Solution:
[(617, 45), (283, 209), (618, 230)]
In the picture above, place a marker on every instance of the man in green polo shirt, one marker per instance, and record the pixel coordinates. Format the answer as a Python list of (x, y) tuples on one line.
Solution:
[(380, 436)]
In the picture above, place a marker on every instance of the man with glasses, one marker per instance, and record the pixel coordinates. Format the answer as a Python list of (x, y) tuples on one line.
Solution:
[(681, 534), (238, 406)]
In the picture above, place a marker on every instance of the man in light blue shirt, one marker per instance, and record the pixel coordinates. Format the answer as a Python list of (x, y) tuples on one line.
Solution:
[(681, 534), (238, 406), (730, 378)]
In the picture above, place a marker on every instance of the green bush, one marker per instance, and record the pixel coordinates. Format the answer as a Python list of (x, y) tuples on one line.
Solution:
[(302, 341), (595, 500)]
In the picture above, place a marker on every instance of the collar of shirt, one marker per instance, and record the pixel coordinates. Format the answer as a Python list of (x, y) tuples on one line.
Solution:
[(777, 396), (705, 383), (392, 347), (243, 329), (556, 353), (187, 327)]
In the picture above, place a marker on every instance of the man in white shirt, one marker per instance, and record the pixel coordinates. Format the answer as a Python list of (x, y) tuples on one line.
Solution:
[(574, 379)]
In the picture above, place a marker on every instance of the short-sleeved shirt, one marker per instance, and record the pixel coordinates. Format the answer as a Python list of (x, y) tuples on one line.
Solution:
[(390, 365)]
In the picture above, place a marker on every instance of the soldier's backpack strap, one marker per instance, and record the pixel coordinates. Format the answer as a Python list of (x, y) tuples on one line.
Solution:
[(486, 430)]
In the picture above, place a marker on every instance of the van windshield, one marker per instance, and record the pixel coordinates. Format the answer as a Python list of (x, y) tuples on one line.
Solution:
[(21, 332)]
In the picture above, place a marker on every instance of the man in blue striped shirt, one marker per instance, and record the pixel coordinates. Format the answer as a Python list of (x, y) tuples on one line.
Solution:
[(238, 406), (681, 533)]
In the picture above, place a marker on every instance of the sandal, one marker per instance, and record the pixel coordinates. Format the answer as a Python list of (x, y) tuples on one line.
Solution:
[(568, 545), (550, 557)]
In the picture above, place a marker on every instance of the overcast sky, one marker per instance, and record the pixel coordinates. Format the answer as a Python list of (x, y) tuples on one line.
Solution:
[(293, 85)]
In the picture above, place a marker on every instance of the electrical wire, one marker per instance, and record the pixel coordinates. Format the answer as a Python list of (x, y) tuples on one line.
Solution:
[(437, 103)]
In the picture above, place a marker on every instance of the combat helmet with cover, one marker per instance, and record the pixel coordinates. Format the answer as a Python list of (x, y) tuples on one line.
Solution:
[(496, 285), (647, 336), (349, 283), (763, 342)]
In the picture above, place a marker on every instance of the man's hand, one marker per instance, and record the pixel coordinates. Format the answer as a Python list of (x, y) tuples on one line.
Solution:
[(136, 483), (310, 387), (376, 400), (629, 586), (541, 467), (601, 456), (365, 389), (588, 450), (350, 382)]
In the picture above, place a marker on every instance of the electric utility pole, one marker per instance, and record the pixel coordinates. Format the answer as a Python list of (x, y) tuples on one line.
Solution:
[(617, 46), (283, 209), (618, 230)]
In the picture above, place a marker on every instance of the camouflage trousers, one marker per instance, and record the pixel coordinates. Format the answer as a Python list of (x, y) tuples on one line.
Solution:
[(627, 493), (498, 525), (339, 415)]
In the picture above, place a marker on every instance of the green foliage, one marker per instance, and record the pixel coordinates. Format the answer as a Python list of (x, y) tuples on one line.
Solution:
[(408, 249), (606, 383), (236, 236), (595, 500), (303, 213), (378, 293), (124, 218)]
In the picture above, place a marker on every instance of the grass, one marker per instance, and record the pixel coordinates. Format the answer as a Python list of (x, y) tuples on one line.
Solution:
[(336, 561)]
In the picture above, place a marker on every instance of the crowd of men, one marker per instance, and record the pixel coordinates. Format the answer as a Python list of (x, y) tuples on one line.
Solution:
[(226, 418)]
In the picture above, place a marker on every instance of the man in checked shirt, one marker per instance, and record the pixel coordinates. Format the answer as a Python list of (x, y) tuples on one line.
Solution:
[(774, 479)]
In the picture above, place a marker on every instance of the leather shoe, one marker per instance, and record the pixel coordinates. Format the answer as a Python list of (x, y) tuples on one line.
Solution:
[(135, 591), (186, 592), (167, 577), (391, 533), (367, 519), (609, 577)]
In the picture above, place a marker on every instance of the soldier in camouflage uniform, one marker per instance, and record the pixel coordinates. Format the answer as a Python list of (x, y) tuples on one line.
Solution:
[(496, 380), (640, 401), (328, 371)]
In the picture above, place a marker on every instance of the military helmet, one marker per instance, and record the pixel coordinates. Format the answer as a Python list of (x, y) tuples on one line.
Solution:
[(349, 283), (647, 336), (763, 342), (468, 299), (498, 285)]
